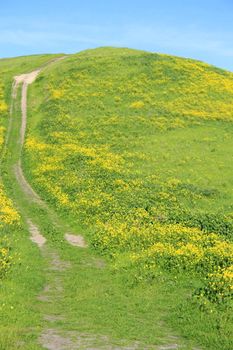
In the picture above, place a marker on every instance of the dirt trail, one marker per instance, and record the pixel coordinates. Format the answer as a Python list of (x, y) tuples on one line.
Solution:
[(53, 291), (27, 189), (26, 80), (76, 240), (36, 237)]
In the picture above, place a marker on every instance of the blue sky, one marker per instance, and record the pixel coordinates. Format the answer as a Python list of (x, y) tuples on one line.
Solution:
[(190, 28)]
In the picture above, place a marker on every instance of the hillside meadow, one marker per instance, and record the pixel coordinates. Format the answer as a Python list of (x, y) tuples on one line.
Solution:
[(137, 149), (134, 150)]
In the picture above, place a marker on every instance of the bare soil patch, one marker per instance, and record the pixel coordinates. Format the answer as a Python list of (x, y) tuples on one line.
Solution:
[(36, 236), (76, 240)]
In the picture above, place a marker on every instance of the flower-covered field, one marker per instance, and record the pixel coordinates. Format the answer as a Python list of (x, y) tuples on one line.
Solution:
[(136, 147)]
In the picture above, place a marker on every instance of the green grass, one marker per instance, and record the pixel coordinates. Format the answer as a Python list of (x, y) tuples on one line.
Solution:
[(86, 102), (200, 155), (95, 301)]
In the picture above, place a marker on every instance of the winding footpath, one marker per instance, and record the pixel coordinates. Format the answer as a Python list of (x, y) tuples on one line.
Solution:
[(26, 80), (53, 292)]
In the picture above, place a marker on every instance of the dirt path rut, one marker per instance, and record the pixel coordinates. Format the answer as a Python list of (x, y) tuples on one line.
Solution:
[(26, 80)]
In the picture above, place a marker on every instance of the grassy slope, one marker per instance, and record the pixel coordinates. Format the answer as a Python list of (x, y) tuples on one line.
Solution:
[(83, 305), (122, 155), (126, 129), (171, 130)]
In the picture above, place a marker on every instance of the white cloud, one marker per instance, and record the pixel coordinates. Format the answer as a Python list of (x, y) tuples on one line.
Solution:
[(70, 36)]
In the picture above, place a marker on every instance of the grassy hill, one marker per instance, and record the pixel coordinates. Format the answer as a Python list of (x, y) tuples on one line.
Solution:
[(134, 150)]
